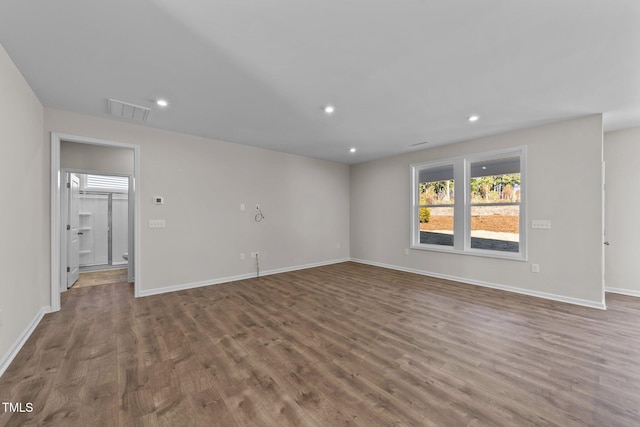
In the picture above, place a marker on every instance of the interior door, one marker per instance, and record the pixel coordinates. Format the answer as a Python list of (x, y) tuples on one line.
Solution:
[(131, 223), (73, 231)]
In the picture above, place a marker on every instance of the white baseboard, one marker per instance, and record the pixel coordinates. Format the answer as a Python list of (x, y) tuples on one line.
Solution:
[(554, 297), (22, 339), (218, 281), (628, 292), (303, 267)]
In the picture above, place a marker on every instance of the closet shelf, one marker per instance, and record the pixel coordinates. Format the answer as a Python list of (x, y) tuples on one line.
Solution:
[(85, 213), (85, 229), (86, 252)]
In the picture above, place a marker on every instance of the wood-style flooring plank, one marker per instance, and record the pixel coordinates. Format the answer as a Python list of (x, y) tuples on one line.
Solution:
[(341, 345)]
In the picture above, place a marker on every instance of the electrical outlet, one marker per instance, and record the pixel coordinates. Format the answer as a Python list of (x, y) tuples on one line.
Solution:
[(338, 245), (406, 251), (242, 256), (535, 268), (255, 255), (257, 207), (241, 206)]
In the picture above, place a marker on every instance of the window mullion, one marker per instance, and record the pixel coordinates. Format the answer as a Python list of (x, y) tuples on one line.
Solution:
[(459, 212)]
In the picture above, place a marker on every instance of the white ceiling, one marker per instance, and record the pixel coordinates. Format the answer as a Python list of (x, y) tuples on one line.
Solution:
[(398, 72)]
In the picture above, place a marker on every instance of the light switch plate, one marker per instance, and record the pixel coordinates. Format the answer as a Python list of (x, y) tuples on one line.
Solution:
[(156, 223), (541, 224)]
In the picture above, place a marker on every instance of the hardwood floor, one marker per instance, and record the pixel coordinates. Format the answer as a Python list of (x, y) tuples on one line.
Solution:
[(102, 277), (346, 344)]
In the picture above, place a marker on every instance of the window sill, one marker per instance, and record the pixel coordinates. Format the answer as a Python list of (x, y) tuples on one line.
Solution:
[(511, 256)]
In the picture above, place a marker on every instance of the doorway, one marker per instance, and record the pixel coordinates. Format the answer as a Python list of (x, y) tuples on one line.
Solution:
[(98, 214), (59, 198), (621, 152)]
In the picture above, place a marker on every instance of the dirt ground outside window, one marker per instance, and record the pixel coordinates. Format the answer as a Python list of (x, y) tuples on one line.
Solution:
[(502, 219)]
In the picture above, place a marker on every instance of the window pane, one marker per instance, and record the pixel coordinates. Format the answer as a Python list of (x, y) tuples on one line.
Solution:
[(435, 186), (495, 228), (436, 225), (495, 204), (436, 200)]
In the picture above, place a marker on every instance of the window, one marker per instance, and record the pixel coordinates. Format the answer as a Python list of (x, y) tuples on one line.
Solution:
[(470, 205), (436, 205), (106, 183), (495, 191)]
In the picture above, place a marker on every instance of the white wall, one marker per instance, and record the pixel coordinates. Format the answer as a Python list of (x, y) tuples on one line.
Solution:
[(24, 215), (621, 154), (96, 158), (564, 178), (305, 203)]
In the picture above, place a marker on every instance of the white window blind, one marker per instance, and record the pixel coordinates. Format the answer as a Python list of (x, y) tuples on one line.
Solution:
[(104, 182)]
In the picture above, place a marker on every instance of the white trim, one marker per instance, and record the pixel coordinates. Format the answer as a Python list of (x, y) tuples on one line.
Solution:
[(545, 295), (603, 210), (628, 292), (181, 287), (303, 267), (56, 241), (55, 223), (22, 339)]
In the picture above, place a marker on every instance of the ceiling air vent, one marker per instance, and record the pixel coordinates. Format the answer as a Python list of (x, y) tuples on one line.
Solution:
[(419, 143), (128, 111)]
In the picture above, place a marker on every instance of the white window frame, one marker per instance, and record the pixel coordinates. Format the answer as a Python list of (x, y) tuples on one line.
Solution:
[(462, 205)]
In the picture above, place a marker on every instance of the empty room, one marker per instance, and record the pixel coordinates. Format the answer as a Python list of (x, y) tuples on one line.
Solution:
[(326, 213)]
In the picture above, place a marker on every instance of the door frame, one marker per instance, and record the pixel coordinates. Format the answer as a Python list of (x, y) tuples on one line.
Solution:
[(605, 243), (56, 209)]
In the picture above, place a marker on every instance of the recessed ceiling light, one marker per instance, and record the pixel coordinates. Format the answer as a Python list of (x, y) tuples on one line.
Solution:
[(484, 168), (352, 150), (329, 109), (162, 102), (474, 118)]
